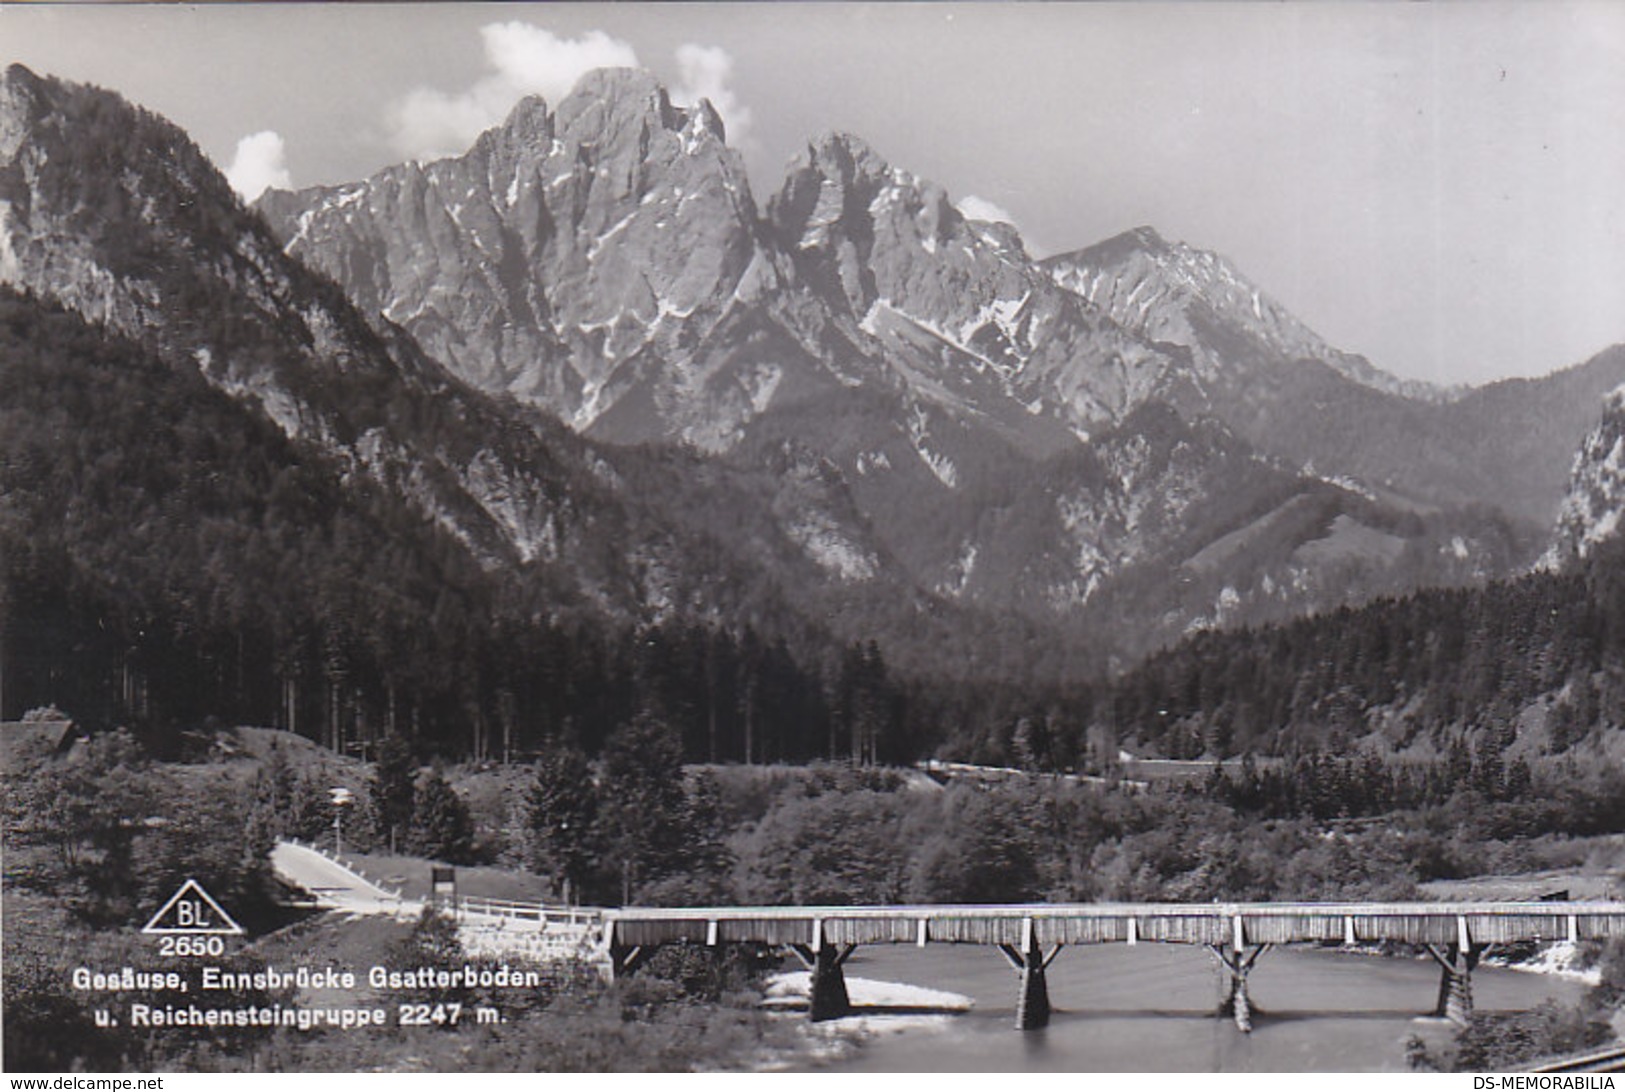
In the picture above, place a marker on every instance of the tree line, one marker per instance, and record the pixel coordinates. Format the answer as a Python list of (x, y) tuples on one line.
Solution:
[(1440, 661), (1546, 650)]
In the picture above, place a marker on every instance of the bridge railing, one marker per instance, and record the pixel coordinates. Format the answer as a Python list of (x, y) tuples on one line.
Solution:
[(542, 914), (1228, 924), (1139, 909)]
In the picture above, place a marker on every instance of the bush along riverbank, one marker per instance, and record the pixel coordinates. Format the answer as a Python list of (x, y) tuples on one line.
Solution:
[(1503, 1041)]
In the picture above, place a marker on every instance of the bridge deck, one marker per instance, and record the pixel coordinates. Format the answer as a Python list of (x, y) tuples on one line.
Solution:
[(1228, 924)]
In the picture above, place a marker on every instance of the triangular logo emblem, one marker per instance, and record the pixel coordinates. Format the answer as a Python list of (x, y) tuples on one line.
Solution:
[(193, 911)]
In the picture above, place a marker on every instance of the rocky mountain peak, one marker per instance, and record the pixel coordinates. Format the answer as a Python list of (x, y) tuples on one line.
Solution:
[(1175, 293), (17, 74), (529, 123), (19, 88), (843, 156), (613, 105), (1594, 506), (19, 106), (870, 233), (840, 187), (829, 183), (1148, 237), (1166, 275), (1140, 240), (106, 207), (703, 118), (563, 248), (610, 111), (621, 92), (616, 273)]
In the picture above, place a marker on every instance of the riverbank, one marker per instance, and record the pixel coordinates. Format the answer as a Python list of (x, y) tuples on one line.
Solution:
[(1561, 960), (881, 1008), (790, 989)]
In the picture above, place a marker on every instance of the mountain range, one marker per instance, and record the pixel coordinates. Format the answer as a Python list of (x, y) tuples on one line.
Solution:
[(1057, 436), (583, 353)]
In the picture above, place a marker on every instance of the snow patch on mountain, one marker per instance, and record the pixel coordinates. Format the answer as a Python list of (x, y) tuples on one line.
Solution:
[(825, 214), (957, 578), (761, 383), (919, 432), (10, 268), (940, 465), (824, 542), (868, 462)]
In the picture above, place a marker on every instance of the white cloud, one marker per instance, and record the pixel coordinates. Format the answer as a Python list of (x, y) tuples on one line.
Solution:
[(258, 165), (705, 72), (980, 208), (525, 60), (538, 62)]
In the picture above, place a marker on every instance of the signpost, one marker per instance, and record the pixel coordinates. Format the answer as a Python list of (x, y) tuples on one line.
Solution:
[(443, 886)]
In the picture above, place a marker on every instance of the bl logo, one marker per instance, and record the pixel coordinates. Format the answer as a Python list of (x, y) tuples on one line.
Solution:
[(192, 914), (192, 910)]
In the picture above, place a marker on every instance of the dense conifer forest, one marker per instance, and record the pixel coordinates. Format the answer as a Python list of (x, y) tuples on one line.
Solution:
[(1422, 669), (204, 568)]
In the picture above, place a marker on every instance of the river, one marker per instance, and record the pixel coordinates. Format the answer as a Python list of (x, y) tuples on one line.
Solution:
[(1150, 1008)]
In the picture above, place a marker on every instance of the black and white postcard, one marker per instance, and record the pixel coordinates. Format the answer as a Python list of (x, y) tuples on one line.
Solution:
[(818, 537)]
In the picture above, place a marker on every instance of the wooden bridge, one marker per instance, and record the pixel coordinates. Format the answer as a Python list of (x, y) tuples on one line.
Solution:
[(1454, 934)]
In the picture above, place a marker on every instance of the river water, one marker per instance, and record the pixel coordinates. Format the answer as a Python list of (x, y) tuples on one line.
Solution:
[(1150, 1007)]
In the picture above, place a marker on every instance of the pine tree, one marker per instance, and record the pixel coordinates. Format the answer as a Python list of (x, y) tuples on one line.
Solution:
[(562, 814), (441, 825), (391, 791), (642, 804)]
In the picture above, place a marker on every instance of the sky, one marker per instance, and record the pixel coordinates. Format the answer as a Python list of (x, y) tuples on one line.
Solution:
[(1440, 186)]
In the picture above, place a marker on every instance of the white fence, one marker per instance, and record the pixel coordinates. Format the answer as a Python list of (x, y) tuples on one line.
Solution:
[(540, 914)]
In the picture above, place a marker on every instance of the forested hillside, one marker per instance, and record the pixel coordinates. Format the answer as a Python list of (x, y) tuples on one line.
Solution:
[(169, 556), (1410, 672)]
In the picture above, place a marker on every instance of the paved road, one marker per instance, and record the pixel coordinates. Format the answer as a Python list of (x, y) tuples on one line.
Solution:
[(335, 886)]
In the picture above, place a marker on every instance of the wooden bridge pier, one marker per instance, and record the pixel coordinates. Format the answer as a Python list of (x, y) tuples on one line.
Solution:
[(1239, 963), (827, 998), (1456, 964), (1029, 960)]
